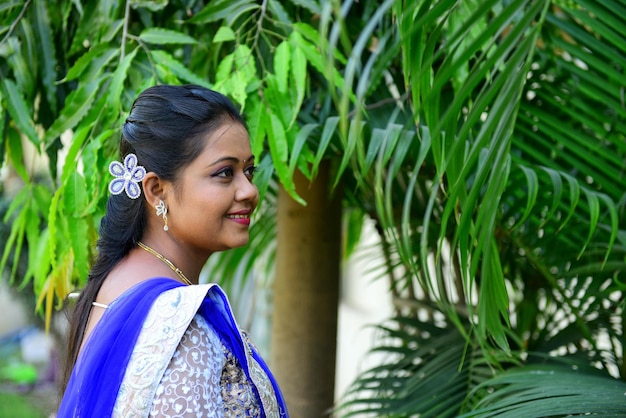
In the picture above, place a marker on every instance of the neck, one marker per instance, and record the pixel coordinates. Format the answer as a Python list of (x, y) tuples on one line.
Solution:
[(186, 260), (167, 261)]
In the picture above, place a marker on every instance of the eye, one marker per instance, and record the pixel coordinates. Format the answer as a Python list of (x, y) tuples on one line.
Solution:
[(226, 172), (249, 172)]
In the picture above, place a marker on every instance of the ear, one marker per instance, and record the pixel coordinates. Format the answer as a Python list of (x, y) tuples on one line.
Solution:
[(154, 188)]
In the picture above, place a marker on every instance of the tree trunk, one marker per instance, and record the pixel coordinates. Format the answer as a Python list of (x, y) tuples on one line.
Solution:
[(306, 293)]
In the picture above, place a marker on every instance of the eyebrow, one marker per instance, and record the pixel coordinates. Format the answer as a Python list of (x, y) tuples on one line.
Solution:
[(233, 159)]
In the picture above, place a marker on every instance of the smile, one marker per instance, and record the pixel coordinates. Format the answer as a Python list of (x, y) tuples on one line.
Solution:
[(246, 216), (242, 218)]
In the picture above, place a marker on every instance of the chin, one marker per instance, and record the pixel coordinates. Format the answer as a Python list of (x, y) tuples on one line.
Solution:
[(241, 244), (237, 243)]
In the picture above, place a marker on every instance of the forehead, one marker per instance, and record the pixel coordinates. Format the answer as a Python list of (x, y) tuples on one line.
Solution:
[(228, 135)]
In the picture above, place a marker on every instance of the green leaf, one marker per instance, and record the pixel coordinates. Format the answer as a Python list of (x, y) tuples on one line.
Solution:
[(299, 79), (311, 5), (152, 5), (282, 58), (16, 237), (594, 215), (20, 112), (557, 184), (78, 229), (74, 195), (16, 154), (33, 227), (614, 223), (97, 57), (532, 184), (115, 27), (235, 73), (549, 391), (229, 10), (3, 136), (160, 36), (493, 301), (256, 120), (279, 101), (114, 92), (19, 55), (46, 47), (77, 105), (330, 126), (278, 141), (10, 4), (178, 68), (54, 226), (355, 135), (299, 144), (224, 34), (313, 55), (71, 160), (279, 150)]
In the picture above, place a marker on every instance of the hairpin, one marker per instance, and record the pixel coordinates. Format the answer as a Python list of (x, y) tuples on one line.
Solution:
[(127, 176)]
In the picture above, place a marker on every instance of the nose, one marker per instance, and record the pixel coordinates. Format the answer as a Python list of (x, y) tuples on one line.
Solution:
[(246, 190)]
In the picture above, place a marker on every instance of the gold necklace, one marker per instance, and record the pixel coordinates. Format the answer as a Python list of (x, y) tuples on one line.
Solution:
[(171, 265)]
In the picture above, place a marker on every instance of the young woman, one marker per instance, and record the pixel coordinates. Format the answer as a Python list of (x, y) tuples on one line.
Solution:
[(145, 338)]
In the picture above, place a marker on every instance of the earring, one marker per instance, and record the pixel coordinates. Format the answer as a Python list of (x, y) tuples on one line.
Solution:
[(161, 210)]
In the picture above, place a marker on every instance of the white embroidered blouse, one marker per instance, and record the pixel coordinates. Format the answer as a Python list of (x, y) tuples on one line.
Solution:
[(186, 371)]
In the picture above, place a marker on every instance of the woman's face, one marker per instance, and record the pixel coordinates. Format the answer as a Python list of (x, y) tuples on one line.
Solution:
[(209, 209)]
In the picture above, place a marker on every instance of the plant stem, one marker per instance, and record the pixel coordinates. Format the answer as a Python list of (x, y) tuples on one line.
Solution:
[(15, 22)]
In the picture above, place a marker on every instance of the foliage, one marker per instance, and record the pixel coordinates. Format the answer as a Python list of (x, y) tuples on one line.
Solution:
[(506, 215), (68, 78), (485, 138)]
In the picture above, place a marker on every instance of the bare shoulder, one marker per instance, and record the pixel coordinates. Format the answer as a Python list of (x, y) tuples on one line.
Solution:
[(132, 270), (135, 268), (123, 276)]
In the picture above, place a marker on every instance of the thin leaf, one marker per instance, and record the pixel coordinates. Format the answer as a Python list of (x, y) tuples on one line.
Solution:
[(178, 68), (229, 10), (532, 191), (46, 46), (96, 57), (160, 36), (76, 107), (117, 81), (330, 126), (20, 112), (282, 61)]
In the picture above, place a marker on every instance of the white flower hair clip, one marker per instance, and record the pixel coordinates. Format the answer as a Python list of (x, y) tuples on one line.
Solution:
[(127, 176)]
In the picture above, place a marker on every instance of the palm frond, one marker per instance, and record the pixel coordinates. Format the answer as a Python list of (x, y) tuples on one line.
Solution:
[(420, 373), (549, 391)]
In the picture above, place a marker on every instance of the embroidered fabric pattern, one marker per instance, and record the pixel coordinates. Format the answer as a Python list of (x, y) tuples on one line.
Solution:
[(238, 395), (190, 386), (160, 335), (262, 382), (181, 368)]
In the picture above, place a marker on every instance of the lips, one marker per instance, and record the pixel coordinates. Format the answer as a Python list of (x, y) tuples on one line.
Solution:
[(241, 217)]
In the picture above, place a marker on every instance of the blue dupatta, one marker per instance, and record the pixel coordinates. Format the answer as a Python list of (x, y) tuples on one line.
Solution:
[(99, 371)]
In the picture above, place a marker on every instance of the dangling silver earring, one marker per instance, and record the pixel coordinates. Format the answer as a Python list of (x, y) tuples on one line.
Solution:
[(161, 210)]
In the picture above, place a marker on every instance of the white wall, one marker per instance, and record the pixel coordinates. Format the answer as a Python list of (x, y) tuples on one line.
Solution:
[(365, 301)]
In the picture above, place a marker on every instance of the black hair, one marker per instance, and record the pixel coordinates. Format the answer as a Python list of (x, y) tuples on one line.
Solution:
[(164, 130)]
